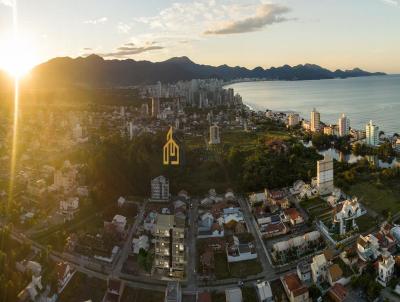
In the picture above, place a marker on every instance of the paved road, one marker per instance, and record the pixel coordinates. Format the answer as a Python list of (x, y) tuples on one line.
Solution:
[(261, 249), (126, 249), (192, 250)]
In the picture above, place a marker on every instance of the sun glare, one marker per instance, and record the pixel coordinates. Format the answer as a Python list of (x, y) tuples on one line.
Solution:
[(16, 57)]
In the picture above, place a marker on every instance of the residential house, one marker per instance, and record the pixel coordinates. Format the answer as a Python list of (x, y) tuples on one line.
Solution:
[(319, 266), (31, 291), (273, 229), (232, 214), (233, 295), (64, 274), (294, 288), (347, 212), (140, 243), (304, 271), (385, 268), (264, 292), (334, 274), (337, 293), (293, 216), (368, 247), (69, 207), (237, 251), (294, 248), (257, 198), (119, 222)]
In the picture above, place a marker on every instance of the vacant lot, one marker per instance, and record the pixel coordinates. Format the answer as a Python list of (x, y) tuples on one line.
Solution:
[(378, 197), (83, 288), (141, 295), (223, 270)]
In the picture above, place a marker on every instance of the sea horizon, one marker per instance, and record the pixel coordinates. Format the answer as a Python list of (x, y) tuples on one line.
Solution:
[(361, 98)]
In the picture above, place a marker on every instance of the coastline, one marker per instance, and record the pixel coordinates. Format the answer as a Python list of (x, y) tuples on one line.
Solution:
[(361, 98)]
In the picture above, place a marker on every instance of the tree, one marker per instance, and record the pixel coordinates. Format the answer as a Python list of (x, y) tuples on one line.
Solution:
[(314, 292)]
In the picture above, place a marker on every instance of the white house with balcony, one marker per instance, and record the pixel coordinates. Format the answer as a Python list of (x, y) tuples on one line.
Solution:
[(346, 214), (385, 268)]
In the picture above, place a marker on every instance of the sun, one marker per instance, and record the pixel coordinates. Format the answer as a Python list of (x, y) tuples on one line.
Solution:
[(17, 57)]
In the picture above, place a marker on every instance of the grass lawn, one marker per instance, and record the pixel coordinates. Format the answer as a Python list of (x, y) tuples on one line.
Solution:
[(235, 270), (376, 197), (140, 295), (314, 202), (365, 222), (83, 288), (218, 297), (347, 271)]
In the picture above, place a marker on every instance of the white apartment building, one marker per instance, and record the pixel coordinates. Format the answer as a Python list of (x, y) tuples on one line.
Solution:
[(325, 175), (160, 189), (372, 134), (214, 135), (344, 125), (293, 120), (315, 120)]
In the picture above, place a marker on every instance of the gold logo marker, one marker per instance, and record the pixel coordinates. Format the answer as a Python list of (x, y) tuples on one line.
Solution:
[(171, 150)]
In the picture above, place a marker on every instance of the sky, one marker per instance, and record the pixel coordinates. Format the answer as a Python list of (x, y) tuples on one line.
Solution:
[(332, 33)]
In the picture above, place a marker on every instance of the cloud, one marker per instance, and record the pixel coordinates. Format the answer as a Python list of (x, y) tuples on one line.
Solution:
[(130, 49), (10, 3), (96, 21), (87, 48), (267, 14), (123, 28), (392, 2)]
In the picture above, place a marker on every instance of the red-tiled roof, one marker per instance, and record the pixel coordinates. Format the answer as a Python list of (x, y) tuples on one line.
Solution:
[(338, 292), (294, 285), (204, 297)]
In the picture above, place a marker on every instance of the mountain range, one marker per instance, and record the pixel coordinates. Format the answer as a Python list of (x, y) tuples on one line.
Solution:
[(94, 71)]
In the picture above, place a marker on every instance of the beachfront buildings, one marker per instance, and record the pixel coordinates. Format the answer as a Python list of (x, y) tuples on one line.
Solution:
[(372, 134), (160, 189), (293, 120), (315, 120), (169, 245), (214, 135), (344, 125), (325, 176)]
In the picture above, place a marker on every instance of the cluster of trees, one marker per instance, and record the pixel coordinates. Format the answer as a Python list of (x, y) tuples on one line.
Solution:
[(11, 280), (347, 174), (385, 151), (266, 167), (366, 282)]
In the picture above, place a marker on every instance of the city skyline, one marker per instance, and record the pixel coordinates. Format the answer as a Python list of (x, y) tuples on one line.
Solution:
[(245, 33)]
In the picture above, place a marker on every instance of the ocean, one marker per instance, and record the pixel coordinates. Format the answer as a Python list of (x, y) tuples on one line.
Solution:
[(362, 99)]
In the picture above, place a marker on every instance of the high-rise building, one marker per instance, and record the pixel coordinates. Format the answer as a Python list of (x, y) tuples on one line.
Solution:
[(144, 109), (77, 131), (325, 175), (344, 125), (170, 245), (372, 134), (160, 189), (214, 135), (293, 120), (155, 107), (315, 120)]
